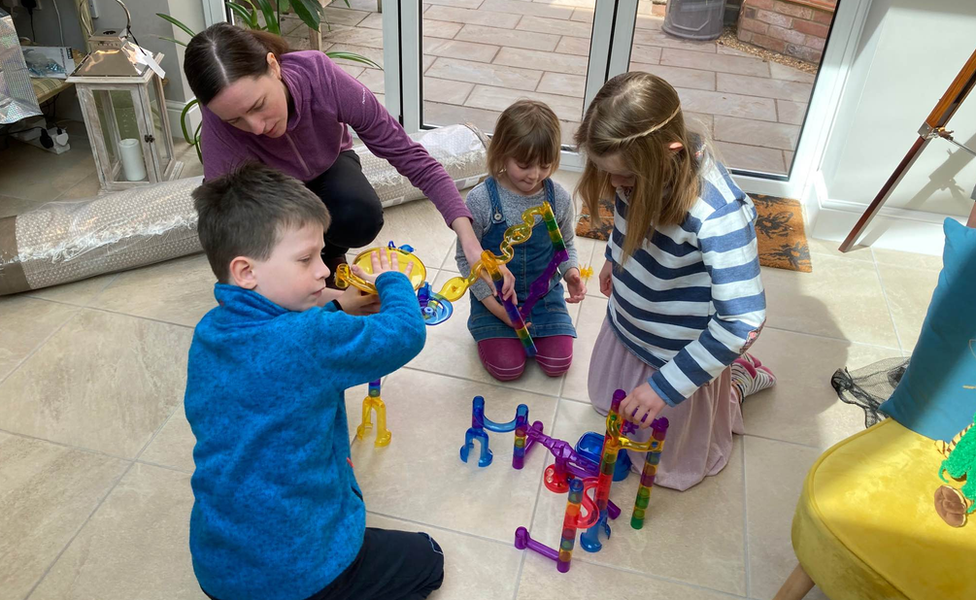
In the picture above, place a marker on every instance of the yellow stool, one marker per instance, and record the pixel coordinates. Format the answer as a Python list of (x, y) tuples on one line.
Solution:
[(866, 528)]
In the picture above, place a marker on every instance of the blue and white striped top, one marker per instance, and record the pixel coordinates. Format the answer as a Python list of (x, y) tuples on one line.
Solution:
[(690, 300)]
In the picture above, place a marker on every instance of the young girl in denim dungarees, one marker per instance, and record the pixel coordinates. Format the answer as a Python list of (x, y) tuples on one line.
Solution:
[(524, 151)]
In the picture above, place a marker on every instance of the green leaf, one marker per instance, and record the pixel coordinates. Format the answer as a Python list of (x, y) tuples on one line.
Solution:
[(248, 18), (353, 57), (169, 39), (309, 11), (196, 142), (269, 16), (183, 120), (176, 22)]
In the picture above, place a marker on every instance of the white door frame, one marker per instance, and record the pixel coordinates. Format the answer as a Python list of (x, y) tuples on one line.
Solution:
[(214, 12), (611, 42)]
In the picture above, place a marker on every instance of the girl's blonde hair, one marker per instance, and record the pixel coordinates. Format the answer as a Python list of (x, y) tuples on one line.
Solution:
[(527, 131), (637, 116)]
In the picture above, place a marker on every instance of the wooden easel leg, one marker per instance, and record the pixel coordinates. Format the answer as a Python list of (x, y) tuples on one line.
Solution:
[(797, 585), (883, 194)]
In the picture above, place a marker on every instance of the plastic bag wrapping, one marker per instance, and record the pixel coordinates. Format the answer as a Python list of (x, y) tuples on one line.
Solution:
[(17, 99), (61, 242), (461, 149)]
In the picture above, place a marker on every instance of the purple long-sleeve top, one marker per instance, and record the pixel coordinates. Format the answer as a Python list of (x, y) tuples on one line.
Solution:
[(326, 102)]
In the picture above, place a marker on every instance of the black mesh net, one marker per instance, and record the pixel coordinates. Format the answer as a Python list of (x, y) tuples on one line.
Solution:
[(869, 386)]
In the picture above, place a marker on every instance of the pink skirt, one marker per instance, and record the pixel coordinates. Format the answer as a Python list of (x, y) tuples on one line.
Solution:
[(699, 438)]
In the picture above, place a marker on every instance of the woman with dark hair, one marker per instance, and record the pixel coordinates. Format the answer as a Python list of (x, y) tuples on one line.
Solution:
[(292, 110)]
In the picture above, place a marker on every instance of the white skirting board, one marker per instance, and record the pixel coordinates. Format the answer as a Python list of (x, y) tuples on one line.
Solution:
[(892, 229)]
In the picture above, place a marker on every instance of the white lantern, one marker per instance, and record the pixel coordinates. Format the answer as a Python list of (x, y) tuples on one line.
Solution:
[(121, 95)]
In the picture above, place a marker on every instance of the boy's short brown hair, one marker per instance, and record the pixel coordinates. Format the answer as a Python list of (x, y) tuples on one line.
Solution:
[(245, 212)]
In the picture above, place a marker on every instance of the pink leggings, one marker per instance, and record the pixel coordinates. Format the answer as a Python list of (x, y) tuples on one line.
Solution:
[(504, 358)]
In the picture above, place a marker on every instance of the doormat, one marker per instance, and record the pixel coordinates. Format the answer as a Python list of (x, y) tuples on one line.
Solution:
[(779, 230)]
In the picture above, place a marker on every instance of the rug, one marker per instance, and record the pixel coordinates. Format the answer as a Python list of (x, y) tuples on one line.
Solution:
[(779, 230)]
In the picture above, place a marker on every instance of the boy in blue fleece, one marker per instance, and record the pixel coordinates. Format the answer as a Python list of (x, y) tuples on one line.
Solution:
[(278, 514)]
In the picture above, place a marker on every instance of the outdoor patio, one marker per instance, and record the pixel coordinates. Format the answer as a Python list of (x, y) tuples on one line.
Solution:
[(481, 55)]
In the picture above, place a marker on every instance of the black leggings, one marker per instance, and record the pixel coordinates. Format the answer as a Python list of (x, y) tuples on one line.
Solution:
[(357, 215)]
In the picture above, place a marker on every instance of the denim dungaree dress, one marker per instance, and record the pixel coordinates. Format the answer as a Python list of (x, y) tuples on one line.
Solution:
[(549, 315)]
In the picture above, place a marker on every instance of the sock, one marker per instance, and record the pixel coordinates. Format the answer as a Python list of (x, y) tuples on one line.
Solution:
[(752, 360), (748, 379)]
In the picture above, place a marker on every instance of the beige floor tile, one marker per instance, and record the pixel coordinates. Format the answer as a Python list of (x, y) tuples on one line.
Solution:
[(509, 38), (678, 76), (751, 158), (474, 569), (173, 445), (450, 350), (574, 45), (895, 258), (722, 63), (178, 291), (42, 176), (27, 323), (803, 407), (478, 17), (103, 381), (359, 36), (645, 55), (354, 72), (135, 546), (756, 133), (909, 293), (374, 80), (762, 86), (472, 4), (420, 476), (374, 54), (562, 84), (11, 207), (701, 122), (722, 49), (593, 310), (518, 7), (417, 224), (840, 299), (565, 107), (584, 4), (436, 113), (788, 73), (47, 494), (774, 480), (448, 92), (338, 14), (730, 105), (649, 22), (788, 157), (702, 528), (484, 74), (89, 187), (558, 63), (460, 50), (657, 37), (791, 112), (360, 5), (555, 26), (438, 29), (583, 15), (79, 293), (829, 248), (541, 581)]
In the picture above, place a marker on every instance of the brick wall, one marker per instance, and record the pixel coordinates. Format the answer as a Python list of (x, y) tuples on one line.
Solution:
[(797, 28)]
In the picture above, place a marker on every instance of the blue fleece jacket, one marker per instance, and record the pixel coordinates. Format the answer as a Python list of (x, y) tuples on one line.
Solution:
[(278, 513)]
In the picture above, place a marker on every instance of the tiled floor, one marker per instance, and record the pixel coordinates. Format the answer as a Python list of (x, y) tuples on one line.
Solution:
[(481, 55), (95, 453)]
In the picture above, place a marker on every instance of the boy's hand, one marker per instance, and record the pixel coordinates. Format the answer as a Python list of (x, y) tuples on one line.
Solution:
[(575, 285), (606, 281), (355, 302), (642, 405), (382, 263)]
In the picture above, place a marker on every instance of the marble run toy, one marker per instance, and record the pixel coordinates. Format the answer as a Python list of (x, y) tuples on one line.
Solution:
[(372, 402), (575, 472), (437, 306)]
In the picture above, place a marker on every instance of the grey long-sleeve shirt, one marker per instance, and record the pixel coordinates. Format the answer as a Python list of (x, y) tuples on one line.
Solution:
[(479, 203)]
